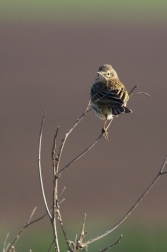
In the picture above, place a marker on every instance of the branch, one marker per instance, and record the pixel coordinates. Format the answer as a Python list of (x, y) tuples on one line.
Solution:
[(66, 136), (83, 153), (132, 90), (79, 241), (56, 163), (54, 151), (21, 231), (111, 245), (161, 172), (39, 167), (63, 229), (142, 93), (5, 242)]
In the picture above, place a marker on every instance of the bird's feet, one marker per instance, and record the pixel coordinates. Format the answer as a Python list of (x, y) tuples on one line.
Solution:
[(105, 133)]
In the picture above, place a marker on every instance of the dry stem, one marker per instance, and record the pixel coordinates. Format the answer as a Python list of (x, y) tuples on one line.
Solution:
[(82, 153), (112, 245), (133, 207), (39, 167), (9, 248)]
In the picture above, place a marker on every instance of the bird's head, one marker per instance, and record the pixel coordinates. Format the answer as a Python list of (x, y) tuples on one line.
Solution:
[(106, 72)]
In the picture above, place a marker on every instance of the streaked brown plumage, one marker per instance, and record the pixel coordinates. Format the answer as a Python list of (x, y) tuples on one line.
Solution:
[(108, 95)]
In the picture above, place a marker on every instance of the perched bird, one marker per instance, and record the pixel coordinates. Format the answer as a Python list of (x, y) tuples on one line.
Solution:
[(108, 95)]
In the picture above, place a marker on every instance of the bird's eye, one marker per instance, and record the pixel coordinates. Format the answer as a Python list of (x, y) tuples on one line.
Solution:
[(108, 73)]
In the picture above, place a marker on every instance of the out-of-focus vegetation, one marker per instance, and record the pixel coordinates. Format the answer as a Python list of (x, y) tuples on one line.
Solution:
[(135, 238), (94, 11)]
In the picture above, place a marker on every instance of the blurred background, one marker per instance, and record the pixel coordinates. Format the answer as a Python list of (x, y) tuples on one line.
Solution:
[(50, 53)]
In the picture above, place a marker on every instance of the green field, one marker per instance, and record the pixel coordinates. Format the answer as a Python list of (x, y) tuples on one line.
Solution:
[(136, 238), (94, 11)]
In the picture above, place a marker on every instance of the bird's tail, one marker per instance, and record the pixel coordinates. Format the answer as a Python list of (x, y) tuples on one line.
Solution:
[(123, 109)]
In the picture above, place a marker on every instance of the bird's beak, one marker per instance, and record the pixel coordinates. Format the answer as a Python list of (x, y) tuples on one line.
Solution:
[(99, 73)]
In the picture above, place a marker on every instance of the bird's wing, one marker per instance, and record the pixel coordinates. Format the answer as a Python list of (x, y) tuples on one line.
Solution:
[(114, 98)]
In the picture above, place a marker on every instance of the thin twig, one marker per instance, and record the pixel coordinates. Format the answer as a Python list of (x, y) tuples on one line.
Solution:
[(21, 231), (56, 162), (82, 153), (55, 193), (140, 93), (62, 192), (61, 201), (132, 90), (82, 234), (63, 229), (5, 242), (66, 136), (133, 207), (111, 245), (54, 151), (39, 167), (51, 246), (79, 243), (54, 214), (40, 218)]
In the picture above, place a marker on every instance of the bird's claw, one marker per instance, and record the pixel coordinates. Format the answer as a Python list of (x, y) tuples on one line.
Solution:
[(105, 133)]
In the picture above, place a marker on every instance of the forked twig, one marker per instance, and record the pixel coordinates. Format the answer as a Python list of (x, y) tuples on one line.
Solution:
[(161, 172), (79, 241), (39, 167), (66, 136), (21, 231), (82, 153), (139, 93), (56, 163)]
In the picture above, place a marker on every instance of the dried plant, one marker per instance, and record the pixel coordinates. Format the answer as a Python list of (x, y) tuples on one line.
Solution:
[(54, 213)]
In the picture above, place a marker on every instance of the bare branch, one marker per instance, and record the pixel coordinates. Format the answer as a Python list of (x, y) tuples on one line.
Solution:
[(141, 93), (51, 246), (82, 234), (39, 167), (54, 214), (63, 229), (111, 245), (79, 242), (133, 207), (62, 192), (21, 231), (82, 153), (54, 151), (56, 163), (66, 136), (5, 242), (132, 90), (61, 201)]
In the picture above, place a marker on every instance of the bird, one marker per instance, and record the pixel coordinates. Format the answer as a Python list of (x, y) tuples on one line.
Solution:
[(108, 95)]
